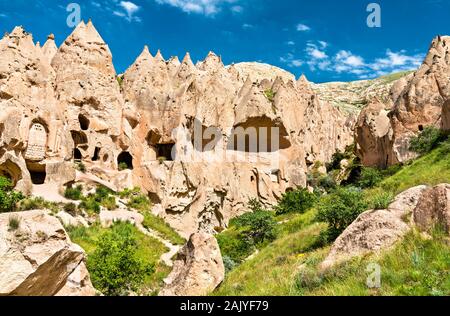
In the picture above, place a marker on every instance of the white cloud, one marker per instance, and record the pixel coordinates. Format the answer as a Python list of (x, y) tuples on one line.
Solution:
[(317, 57), (290, 43), (237, 9), (127, 11), (205, 7), (303, 27), (314, 52), (291, 61), (247, 26)]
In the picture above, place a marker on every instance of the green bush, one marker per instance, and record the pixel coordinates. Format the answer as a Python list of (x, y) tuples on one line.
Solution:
[(256, 227), (427, 140), (127, 193), (139, 202), (90, 205), (13, 223), (8, 197), (270, 95), (75, 194), (123, 166), (340, 209), (369, 177), (228, 263), (326, 183), (298, 201), (71, 208), (80, 167), (115, 267)]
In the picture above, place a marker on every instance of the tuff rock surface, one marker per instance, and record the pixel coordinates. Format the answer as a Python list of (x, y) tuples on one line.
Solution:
[(167, 123), (375, 230), (38, 258), (424, 101), (198, 269)]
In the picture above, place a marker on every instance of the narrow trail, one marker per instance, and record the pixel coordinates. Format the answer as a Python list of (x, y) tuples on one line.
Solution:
[(173, 249)]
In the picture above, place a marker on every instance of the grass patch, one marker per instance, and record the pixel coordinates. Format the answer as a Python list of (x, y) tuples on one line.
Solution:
[(158, 224)]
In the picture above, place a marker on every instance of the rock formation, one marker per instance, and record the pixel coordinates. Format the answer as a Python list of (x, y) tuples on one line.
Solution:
[(198, 269), (433, 209), (375, 230), (37, 258), (181, 132), (423, 102)]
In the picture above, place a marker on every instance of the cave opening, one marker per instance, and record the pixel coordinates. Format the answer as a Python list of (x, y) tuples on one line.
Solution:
[(96, 156), (37, 173), (164, 151), (84, 122), (77, 155), (259, 136), (125, 161)]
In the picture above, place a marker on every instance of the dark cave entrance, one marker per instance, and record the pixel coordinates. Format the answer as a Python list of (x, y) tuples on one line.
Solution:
[(77, 156), (84, 122), (37, 173), (164, 151), (96, 154), (125, 161)]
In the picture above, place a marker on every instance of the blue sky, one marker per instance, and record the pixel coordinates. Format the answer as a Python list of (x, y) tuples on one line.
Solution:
[(327, 40)]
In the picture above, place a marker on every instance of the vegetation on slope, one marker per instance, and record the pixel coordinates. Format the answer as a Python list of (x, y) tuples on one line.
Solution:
[(121, 259), (417, 265)]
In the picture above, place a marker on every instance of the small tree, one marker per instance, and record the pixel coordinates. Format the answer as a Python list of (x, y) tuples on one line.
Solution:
[(114, 266), (8, 197), (427, 140), (369, 177), (340, 209), (298, 201)]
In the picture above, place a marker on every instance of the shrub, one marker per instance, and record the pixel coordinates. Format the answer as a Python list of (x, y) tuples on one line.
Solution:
[(90, 205), (75, 194), (326, 183), (256, 227), (381, 200), (109, 202), (70, 208), (270, 95), (123, 166), (298, 201), (80, 166), (139, 202), (13, 223), (114, 266), (228, 263), (8, 197), (340, 209), (427, 140), (335, 162), (129, 192), (369, 177)]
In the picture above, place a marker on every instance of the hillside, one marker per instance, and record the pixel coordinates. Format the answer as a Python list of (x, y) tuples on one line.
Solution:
[(353, 96), (416, 265)]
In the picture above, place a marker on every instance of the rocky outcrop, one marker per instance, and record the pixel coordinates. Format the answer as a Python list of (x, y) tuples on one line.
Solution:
[(181, 131), (374, 136), (198, 269), (37, 257), (423, 102), (433, 209), (375, 230)]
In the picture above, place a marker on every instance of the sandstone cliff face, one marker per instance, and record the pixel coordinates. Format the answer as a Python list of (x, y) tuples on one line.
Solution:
[(423, 102), (37, 258), (173, 125)]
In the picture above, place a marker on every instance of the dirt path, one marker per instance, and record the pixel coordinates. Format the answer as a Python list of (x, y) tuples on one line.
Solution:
[(173, 249)]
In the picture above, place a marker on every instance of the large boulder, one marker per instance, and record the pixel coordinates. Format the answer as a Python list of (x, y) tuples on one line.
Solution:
[(433, 208), (375, 230), (198, 269), (37, 258)]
